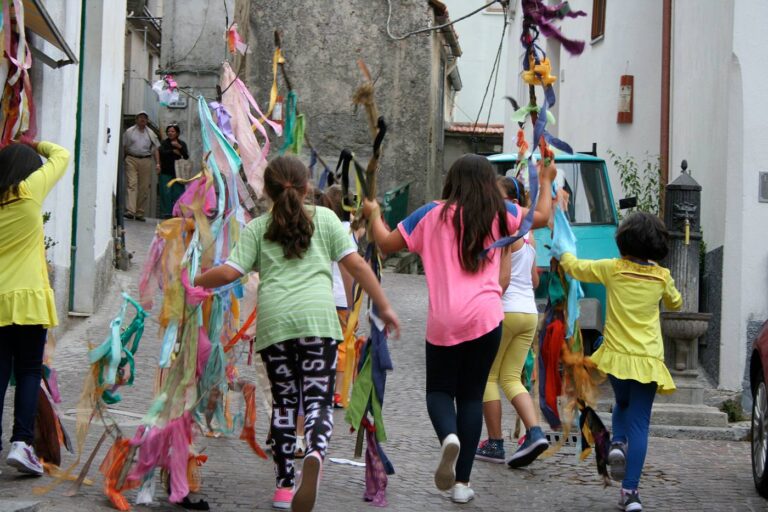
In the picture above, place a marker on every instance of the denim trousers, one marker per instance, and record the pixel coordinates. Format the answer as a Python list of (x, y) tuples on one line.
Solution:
[(21, 355)]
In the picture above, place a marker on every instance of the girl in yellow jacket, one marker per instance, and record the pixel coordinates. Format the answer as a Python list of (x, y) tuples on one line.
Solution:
[(27, 307), (632, 353)]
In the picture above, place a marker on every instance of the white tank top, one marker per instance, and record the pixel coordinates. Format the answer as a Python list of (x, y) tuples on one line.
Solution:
[(519, 297)]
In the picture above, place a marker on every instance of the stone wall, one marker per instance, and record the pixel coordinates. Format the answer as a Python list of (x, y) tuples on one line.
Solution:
[(710, 301), (322, 45)]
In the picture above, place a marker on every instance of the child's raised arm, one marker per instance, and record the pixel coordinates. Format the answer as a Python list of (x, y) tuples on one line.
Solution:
[(586, 271), (388, 241), (543, 210), (363, 274)]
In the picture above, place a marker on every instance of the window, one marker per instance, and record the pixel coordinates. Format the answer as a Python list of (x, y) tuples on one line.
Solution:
[(598, 19), (589, 198), (589, 201)]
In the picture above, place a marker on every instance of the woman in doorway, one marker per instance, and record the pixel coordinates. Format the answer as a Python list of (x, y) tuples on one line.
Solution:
[(171, 149)]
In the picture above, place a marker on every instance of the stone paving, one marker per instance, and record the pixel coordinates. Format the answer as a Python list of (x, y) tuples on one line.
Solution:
[(679, 474)]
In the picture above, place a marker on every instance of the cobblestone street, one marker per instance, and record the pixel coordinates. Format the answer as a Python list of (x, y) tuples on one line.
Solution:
[(679, 474)]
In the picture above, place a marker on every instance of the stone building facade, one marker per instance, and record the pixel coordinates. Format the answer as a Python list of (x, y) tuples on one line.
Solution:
[(416, 78)]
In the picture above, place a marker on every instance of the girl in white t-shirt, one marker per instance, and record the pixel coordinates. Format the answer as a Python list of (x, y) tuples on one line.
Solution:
[(342, 284), (519, 327)]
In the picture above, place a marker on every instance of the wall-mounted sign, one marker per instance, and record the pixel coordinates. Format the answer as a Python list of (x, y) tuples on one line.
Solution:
[(180, 103), (626, 99)]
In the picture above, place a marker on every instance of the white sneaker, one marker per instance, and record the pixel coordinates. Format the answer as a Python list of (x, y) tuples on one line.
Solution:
[(445, 475), (23, 458), (462, 493)]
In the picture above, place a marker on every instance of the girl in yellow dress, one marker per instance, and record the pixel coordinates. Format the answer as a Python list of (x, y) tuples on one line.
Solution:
[(27, 306), (632, 353)]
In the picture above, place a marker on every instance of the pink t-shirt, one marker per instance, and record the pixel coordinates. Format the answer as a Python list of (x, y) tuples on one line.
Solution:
[(462, 305)]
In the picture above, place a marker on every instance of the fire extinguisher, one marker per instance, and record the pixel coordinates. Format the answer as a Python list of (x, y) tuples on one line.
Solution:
[(626, 99), (277, 112)]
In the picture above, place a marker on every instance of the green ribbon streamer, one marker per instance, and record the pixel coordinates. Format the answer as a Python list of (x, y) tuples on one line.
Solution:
[(290, 122), (522, 113), (298, 135)]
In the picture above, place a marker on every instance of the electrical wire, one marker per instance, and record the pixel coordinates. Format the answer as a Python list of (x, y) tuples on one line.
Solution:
[(438, 27), (202, 29), (498, 68), (494, 72)]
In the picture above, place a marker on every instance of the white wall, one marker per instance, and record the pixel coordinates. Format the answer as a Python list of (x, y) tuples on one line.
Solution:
[(142, 68), (479, 37), (102, 100), (56, 120), (588, 85), (701, 51), (745, 280)]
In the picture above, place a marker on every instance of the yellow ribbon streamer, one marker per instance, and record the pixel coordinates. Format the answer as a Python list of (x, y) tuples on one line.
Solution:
[(277, 58)]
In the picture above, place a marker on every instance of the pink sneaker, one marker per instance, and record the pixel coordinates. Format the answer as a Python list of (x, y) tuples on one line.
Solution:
[(282, 498), (306, 494)]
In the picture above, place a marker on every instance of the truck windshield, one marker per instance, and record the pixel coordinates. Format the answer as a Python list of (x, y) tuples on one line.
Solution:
[(589, 201)]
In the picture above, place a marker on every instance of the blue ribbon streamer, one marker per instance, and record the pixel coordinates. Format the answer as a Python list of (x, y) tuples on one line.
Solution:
[(538, 130)]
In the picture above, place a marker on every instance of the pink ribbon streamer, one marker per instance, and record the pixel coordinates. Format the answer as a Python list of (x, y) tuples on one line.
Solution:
[(166, 448)]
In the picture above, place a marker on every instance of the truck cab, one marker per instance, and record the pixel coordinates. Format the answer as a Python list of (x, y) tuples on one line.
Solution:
[(594, 219)]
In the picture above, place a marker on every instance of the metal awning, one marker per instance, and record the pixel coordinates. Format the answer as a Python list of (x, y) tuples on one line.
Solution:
[(37, 20)]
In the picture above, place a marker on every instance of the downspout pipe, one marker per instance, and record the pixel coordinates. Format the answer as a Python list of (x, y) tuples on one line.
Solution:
[(76, 177), (666, 79)]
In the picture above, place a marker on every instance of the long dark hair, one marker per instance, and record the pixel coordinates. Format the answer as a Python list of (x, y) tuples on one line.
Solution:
[(471, 187), (285, 181), (17, 162)]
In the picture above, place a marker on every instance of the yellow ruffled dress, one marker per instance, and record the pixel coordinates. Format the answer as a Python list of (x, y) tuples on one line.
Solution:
[(633, 347), (26, 297)]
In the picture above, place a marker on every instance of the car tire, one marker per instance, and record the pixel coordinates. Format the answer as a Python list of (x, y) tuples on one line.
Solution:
[(759, 431)]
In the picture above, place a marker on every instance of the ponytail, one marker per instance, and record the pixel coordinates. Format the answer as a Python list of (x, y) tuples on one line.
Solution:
[(286, 180)]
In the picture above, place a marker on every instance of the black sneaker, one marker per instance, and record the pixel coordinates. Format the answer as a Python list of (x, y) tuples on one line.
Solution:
[(534, 445), (617, 459), (491, 450), (630, 501)]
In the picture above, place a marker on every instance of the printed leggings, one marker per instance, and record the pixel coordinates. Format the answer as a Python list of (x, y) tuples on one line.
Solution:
[(303, 370)]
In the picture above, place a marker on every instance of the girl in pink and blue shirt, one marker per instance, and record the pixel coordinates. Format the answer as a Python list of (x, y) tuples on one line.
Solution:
[(465, 312)]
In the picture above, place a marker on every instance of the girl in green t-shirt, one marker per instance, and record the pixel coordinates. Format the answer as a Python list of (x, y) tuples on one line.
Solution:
[(292, 248)]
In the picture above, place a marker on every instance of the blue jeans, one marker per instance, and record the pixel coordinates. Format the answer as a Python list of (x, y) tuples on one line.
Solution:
[(21, 352), (631, 419)]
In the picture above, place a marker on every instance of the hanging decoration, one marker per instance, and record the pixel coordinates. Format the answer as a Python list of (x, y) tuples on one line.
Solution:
[(17, 112), (167, 90), (562, 366)]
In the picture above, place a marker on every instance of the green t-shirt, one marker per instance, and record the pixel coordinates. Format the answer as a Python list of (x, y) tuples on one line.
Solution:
[(295, 295)]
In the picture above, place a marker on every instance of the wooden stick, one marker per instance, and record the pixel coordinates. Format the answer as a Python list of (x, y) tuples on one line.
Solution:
[(286, 78), (84, 472)]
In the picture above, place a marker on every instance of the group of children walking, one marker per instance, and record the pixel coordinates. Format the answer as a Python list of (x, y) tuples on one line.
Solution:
[(480, 325)]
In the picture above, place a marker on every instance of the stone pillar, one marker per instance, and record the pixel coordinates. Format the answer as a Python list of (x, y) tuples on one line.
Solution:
[(681, 330)]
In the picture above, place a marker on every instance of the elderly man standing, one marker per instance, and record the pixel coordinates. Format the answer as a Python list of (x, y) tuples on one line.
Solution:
[(141, 158)]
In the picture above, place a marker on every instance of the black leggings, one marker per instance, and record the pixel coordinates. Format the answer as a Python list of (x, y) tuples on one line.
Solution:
[(21, 354), (304, 369), (456, 378)]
